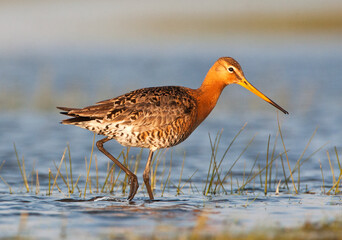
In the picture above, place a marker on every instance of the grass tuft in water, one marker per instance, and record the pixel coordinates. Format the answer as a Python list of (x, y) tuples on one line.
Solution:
[(287, 157), (218, 179), (266, 175), (9, 187), (180, 177), (58, 172), (22, 169), (214, 180), (88, 177)]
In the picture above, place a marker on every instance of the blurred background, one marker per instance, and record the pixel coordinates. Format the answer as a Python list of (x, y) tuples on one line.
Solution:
[(65, 52), (74, 53)]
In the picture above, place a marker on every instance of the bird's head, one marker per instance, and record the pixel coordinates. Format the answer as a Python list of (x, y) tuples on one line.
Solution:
[(229, 71)]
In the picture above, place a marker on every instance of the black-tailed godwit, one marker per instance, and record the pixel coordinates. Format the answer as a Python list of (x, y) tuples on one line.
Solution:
[(158, 117)]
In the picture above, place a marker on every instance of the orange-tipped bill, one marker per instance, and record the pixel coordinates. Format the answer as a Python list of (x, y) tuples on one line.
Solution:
[(251, 88)]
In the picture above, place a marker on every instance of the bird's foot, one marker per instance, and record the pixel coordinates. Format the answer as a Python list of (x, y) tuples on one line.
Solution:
[(134, 185)]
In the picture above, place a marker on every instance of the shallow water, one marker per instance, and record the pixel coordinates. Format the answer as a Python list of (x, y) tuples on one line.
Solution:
[(108, 216), (306, 83)]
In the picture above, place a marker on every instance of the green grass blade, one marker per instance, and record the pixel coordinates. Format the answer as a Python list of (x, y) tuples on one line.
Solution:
[(237, 159), (9, 187), (339, 166), (258, 174), (287, 157), (282, 164), (231, 143), (37, 183), (23, 174), (88, 171), (272, 156), (210, 164), (251, 171), (67, 176), (266, 174), (60, 174), (217, 167), (180, 176), (70, 167), (167, 181), (320, 165), (97, 175), (58, 171), (2, 164), (189, 179), (331, 168)]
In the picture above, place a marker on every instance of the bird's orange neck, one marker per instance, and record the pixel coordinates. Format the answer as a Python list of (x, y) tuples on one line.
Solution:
[(207, 95)]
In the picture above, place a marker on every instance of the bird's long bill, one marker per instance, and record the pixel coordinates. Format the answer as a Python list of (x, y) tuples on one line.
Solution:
[(251, 88)]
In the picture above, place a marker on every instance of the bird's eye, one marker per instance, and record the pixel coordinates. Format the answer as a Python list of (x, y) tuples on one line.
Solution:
[(230, 69)]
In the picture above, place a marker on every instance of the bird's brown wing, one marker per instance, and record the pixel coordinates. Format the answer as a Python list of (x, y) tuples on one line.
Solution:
[(151, 108), (141, 110)]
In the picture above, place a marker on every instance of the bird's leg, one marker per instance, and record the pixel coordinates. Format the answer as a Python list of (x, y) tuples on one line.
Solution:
[(146, 175), (133, 180)]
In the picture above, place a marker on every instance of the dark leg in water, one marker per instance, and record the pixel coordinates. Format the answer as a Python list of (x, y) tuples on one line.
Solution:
[(146, 175), (133, 180)]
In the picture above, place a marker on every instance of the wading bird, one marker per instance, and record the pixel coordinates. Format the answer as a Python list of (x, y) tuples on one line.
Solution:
[(158, 117)]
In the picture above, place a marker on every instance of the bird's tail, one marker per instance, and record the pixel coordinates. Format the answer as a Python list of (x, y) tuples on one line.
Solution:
[(75, 120)]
